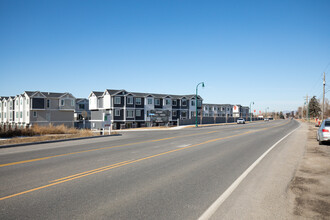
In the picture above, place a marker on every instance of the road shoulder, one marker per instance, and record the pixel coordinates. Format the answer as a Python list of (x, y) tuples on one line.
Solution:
[(263, 194), (310, 186)]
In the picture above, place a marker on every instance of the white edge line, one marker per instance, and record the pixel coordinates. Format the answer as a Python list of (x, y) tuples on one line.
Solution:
[(217, 203)]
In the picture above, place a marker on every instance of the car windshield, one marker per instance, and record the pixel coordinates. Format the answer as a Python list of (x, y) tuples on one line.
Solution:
[(327, 123), (240, 119)]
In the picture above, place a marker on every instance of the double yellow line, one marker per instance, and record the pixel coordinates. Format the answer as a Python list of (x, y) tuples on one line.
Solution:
[(103, 148), (124, 163)]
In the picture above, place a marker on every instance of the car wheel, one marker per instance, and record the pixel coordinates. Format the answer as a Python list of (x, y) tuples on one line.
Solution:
[(320, 142)]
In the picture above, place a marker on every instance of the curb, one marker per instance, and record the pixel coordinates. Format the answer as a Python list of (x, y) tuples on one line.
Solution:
[(55, 141)]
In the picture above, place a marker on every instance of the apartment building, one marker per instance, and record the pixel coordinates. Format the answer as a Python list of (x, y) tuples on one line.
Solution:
[(133, 109), (217, 110), (225, 110), (35, 107)]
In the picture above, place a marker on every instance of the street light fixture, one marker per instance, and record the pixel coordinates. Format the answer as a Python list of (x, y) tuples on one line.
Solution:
[(250, 111), (196, 100)]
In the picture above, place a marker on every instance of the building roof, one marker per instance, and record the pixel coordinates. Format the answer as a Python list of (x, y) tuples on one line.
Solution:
[(48, 94), (156, 95)]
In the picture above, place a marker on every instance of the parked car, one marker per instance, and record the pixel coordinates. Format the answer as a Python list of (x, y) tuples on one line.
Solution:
[(240, 121), (323, 133), (266, 119)]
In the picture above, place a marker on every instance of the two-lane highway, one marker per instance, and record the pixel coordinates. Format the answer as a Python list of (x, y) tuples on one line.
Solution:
[(168, 174)]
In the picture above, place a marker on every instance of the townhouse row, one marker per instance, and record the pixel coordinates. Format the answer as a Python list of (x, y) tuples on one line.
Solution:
[(133, 109), (42, 108), (122, 108)]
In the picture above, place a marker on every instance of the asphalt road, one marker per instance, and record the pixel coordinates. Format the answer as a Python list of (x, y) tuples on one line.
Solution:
[(172, 174)]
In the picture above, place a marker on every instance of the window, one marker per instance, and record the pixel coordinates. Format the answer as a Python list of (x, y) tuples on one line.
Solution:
[(130, 113), (0, 104), (21, 101), (62, 102), (27, 114), (192, 103), (16, 102), (35, 114), (72, 102), (157, 101), (117, 100), (81, 106), (184, 102), (149, 101), (5, 104), (183, 114), (21, 114), (174, 103), (16, 114), (138, 101), (48, 103), (199, 103), (11, 115), (130, 100), (168, 101), (117, 112), (138, 113), (174, 113), (5, 115), (0, 114)]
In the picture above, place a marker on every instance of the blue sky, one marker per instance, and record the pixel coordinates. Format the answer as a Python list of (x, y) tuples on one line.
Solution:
[(269, 52)]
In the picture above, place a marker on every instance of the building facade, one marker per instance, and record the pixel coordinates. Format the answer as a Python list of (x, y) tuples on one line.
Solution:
[(225, 110), (132, 109), (35, 107)]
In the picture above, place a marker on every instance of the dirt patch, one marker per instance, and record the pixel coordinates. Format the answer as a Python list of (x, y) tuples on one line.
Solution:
[(311, 183)]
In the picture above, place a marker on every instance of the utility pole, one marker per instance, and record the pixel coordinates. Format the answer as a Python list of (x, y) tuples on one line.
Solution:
[(307, 107), (323, 96)]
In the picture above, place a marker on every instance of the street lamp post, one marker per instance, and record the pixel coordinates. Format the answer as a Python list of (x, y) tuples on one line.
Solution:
[(251, 111), (196, 100)]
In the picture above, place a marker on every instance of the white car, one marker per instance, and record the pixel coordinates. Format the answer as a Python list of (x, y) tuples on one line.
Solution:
[(240, 121), (323, 133)]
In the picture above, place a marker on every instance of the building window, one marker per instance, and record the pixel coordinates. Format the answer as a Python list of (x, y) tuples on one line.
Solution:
[(174, 113), (5, 115), (16, 114), (157, 101), (130, 100), (81, 106), (5, 105), (117, 112), (168, 101), (72, 102), (184, 102), (21, 114), (184, 114), (48, 103), (199, 103), (62, 102), (192, 103), (21, 101), (138, 101), (130, 113), (27, 114), (16, 102), (174, 103), (138, 113), (35, 114), (117, 100), (149, 101)]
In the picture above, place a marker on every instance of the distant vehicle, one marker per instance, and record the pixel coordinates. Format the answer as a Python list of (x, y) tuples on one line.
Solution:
[(240, 121), (266, 119), (270, 118), (323, 133)]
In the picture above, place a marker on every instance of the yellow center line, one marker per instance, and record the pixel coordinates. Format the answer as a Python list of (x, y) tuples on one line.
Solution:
[(124, 163), (103, 148)]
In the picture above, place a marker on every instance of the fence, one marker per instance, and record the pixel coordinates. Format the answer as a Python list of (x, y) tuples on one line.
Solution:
[(212, 120)]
